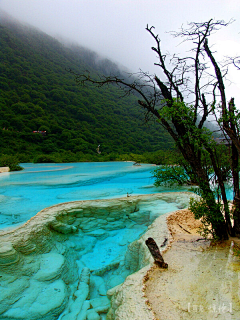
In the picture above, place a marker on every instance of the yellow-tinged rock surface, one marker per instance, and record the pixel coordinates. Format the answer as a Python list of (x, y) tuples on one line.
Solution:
[(202, 280), (4, 169)]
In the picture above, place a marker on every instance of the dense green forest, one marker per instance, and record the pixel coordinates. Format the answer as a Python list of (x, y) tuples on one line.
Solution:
[(38, 93)]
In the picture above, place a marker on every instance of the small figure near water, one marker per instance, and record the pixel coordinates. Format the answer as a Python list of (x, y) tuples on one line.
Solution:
[(137, 164), (98, 151)]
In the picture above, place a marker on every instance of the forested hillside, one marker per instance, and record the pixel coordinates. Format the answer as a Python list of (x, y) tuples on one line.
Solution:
[(37, 93)]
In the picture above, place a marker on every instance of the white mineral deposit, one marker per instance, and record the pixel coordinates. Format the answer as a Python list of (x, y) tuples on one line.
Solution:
[(83, 259)]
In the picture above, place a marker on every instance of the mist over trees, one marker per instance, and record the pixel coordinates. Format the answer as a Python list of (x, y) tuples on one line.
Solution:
[(38, 94)]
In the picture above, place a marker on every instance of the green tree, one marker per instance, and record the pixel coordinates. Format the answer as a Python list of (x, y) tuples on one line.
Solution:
[(169, 175), (10, 161)]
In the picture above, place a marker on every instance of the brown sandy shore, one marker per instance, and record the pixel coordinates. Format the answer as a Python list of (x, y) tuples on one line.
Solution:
[(202, 280)]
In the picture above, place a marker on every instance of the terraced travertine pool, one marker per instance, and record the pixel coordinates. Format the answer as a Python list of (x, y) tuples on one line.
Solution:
[(61, 263), (38, 186)]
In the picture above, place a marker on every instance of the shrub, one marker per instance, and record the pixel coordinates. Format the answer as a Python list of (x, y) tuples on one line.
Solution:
[(10, 161)]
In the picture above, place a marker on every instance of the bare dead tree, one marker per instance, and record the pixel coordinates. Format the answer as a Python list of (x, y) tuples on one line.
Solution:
[(230, 121), (164, 97)]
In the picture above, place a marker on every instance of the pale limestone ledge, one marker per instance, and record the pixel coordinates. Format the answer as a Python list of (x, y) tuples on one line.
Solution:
[(127, 299), (42, 274), (4, 169)]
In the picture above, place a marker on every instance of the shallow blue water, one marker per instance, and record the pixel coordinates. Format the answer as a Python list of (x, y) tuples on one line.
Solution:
[(24, 193)]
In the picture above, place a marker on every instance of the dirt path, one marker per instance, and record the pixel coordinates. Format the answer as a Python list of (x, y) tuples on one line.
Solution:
[(202, 282)]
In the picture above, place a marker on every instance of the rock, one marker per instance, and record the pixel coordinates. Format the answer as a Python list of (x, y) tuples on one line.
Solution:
[(80, 266), (4, 169), (100, 305), (102, 290), (97, 286), (79, 296), (98, 233), (108, 267), (83, 313), (70, 244), (75, 212), (115, 225), (51, 266), (112, 291), (140, 218), (26, 246), (62, 227), (8, 255), (39, 301), (68, 219), (127, 300), (11, 290), (85, 244), (92, 224), (132, 256), (123, 242), (92, 315), (114, 281), (84, 277), (77, 222), (60, 248)]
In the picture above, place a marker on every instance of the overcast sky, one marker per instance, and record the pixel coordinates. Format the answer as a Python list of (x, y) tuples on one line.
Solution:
[(116, 28)]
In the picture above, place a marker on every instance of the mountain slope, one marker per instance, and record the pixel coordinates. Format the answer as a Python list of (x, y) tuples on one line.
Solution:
[(37, 93)]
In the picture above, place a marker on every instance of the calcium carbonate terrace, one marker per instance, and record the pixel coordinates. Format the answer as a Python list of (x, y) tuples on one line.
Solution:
[(68, 259)]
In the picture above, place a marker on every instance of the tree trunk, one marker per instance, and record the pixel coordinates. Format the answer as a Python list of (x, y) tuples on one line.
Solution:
[(236, 193), (155, 252), (216, 216), (219, 174)]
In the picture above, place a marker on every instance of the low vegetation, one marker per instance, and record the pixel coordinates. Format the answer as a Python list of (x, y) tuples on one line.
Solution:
[(10, 161)]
